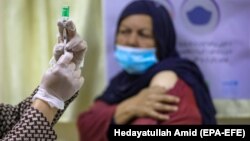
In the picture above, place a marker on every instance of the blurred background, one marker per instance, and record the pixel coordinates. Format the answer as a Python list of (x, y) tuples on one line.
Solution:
[(28, 33), (219, 42)]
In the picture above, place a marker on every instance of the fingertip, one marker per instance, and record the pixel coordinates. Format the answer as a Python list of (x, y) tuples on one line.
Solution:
[(173, 98), (65, 58), (163, 117), (69, 23), (71, 27), (177, 99), (59, 47), (81, 81), (59, 23), (175, 108)]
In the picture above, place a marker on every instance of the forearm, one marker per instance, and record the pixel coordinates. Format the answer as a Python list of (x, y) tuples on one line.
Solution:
[(44, 105), (44, 108), (60, 112)]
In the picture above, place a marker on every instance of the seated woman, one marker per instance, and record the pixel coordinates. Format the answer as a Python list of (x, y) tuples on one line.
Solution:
[(156, 86)]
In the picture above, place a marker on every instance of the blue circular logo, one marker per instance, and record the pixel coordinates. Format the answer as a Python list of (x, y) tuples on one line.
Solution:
[(200, 16)]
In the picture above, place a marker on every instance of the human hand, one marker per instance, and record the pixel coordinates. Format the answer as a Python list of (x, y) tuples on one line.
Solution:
[(64, 79), (151, 102), (75, 44)]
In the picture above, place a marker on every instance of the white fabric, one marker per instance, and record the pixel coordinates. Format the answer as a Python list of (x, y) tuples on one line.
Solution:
[(53, 101)]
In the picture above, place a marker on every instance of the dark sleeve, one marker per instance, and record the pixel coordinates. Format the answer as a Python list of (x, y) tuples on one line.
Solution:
[(32, 125), (188, 112), (94, 124), (13, 116), (10, 115)]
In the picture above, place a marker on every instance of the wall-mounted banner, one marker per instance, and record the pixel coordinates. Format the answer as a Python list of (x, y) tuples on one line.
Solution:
[(213, 33)]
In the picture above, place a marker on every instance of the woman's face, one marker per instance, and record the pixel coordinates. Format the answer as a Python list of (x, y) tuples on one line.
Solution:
[(136, 31)]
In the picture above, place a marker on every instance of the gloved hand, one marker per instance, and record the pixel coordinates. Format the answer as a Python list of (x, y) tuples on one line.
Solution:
[(63, 80), (75, 44)]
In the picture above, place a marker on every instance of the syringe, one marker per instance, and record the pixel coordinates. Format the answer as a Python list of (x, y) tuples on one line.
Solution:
[(65, 17)]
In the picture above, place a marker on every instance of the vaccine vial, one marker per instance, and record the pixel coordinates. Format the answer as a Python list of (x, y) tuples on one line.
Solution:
[(65, 13), (65, 17)]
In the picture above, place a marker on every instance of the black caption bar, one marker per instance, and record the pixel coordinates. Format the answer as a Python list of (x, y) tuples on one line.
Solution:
[(164, 132)]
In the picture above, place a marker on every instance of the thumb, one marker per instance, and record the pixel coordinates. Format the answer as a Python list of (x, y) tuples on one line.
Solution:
[(65, 58), (71, 29)]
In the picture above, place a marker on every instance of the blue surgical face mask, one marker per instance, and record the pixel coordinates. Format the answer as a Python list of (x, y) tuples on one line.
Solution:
[(135, 60)]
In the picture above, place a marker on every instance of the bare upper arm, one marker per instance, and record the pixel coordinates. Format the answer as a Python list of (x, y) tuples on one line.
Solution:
[(166, 79)]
